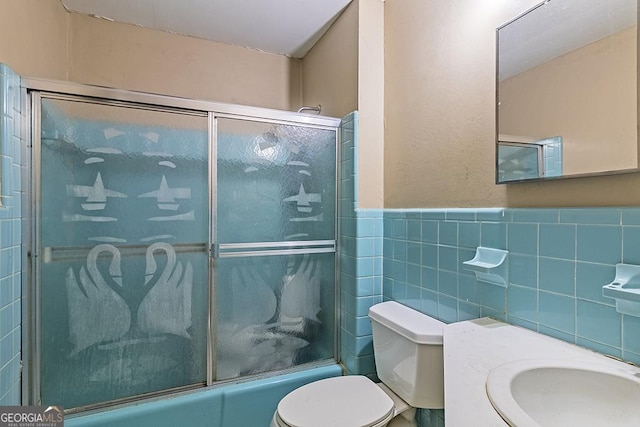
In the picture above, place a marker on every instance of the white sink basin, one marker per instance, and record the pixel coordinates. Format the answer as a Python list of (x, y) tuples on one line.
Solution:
[(548, 392)]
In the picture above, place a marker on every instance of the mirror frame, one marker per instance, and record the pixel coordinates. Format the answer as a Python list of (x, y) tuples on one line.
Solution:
[(497, 108)]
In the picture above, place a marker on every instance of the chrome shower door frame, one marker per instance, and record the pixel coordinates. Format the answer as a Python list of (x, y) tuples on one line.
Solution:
[(33, 90)]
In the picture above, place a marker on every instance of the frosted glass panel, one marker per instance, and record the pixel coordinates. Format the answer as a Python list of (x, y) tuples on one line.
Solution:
[(517, 162), (124, 220), (275, 182), (273, 312)]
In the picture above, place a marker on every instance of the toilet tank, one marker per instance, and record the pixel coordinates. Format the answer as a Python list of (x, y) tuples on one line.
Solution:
[(407, 346)]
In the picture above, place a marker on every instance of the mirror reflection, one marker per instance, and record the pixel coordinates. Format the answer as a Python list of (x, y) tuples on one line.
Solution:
[(567, 91)]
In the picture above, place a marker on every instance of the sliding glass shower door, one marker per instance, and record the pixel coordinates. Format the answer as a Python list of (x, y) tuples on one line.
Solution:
[(275, 246), (123, 262), (175, 247)]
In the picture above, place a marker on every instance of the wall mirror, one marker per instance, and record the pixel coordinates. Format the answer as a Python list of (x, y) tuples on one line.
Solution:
[(567, 97)]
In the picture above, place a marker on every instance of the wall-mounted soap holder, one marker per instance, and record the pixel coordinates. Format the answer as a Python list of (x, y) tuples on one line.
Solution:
[(490, 266), (625, 289)]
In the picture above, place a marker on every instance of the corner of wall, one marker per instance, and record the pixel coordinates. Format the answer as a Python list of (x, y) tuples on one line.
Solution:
[(330, 68), (295, 84), (371, 90), (360, 253)]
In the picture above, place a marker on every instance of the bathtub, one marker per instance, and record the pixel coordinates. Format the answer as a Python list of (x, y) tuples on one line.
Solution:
[(247, 404)]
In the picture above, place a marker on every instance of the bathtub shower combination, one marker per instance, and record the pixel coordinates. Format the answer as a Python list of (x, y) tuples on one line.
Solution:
[(175, 244)]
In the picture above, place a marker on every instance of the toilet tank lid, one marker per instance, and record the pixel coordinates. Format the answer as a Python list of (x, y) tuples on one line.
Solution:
[(416, 326)]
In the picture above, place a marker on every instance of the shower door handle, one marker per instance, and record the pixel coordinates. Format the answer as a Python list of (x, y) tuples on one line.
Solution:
[(215, 250), (253, 249)]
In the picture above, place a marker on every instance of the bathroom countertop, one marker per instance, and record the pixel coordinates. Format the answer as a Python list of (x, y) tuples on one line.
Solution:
[(473, 348)]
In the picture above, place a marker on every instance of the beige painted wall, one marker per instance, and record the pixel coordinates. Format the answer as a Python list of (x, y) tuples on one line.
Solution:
[(588, 97), (33, 37), (330, 69), (371, 61), (345, 71), (38, 38), (438, 93), (130, 57), (440, 113)]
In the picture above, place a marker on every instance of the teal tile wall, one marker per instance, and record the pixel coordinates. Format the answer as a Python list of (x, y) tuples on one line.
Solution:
[(559, 259), (360, 253), (11, 168)]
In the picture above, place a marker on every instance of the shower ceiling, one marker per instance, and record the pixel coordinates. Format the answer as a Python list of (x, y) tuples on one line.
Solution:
[(287, 27)]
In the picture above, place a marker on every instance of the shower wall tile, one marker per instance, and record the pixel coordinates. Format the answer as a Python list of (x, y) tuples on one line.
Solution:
[(11, 170)]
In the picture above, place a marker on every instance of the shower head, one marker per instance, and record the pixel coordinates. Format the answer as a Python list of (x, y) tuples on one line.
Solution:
[(317, 109)]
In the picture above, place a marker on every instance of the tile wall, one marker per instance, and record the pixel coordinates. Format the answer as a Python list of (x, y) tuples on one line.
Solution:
[(559, 259), (11, 165), (360, 252)]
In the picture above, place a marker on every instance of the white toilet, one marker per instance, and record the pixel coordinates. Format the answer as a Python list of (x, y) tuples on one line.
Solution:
[(407, 347)]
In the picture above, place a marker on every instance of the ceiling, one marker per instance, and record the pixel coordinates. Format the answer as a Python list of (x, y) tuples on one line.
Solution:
[(286, 27), (558, 27)]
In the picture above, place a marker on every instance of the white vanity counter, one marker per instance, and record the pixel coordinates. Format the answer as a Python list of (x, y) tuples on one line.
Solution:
[(473, 348)]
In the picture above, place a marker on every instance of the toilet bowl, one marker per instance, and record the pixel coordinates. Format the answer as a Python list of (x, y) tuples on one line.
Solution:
[(408, 353)]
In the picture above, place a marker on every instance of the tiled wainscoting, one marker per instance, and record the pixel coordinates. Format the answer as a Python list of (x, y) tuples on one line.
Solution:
[(559, 259)]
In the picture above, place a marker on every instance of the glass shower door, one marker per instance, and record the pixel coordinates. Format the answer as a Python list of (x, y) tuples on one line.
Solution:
[(275, 246), (121, 240)]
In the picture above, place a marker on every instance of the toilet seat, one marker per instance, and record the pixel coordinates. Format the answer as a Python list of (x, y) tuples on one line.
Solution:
[(347, 401)]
